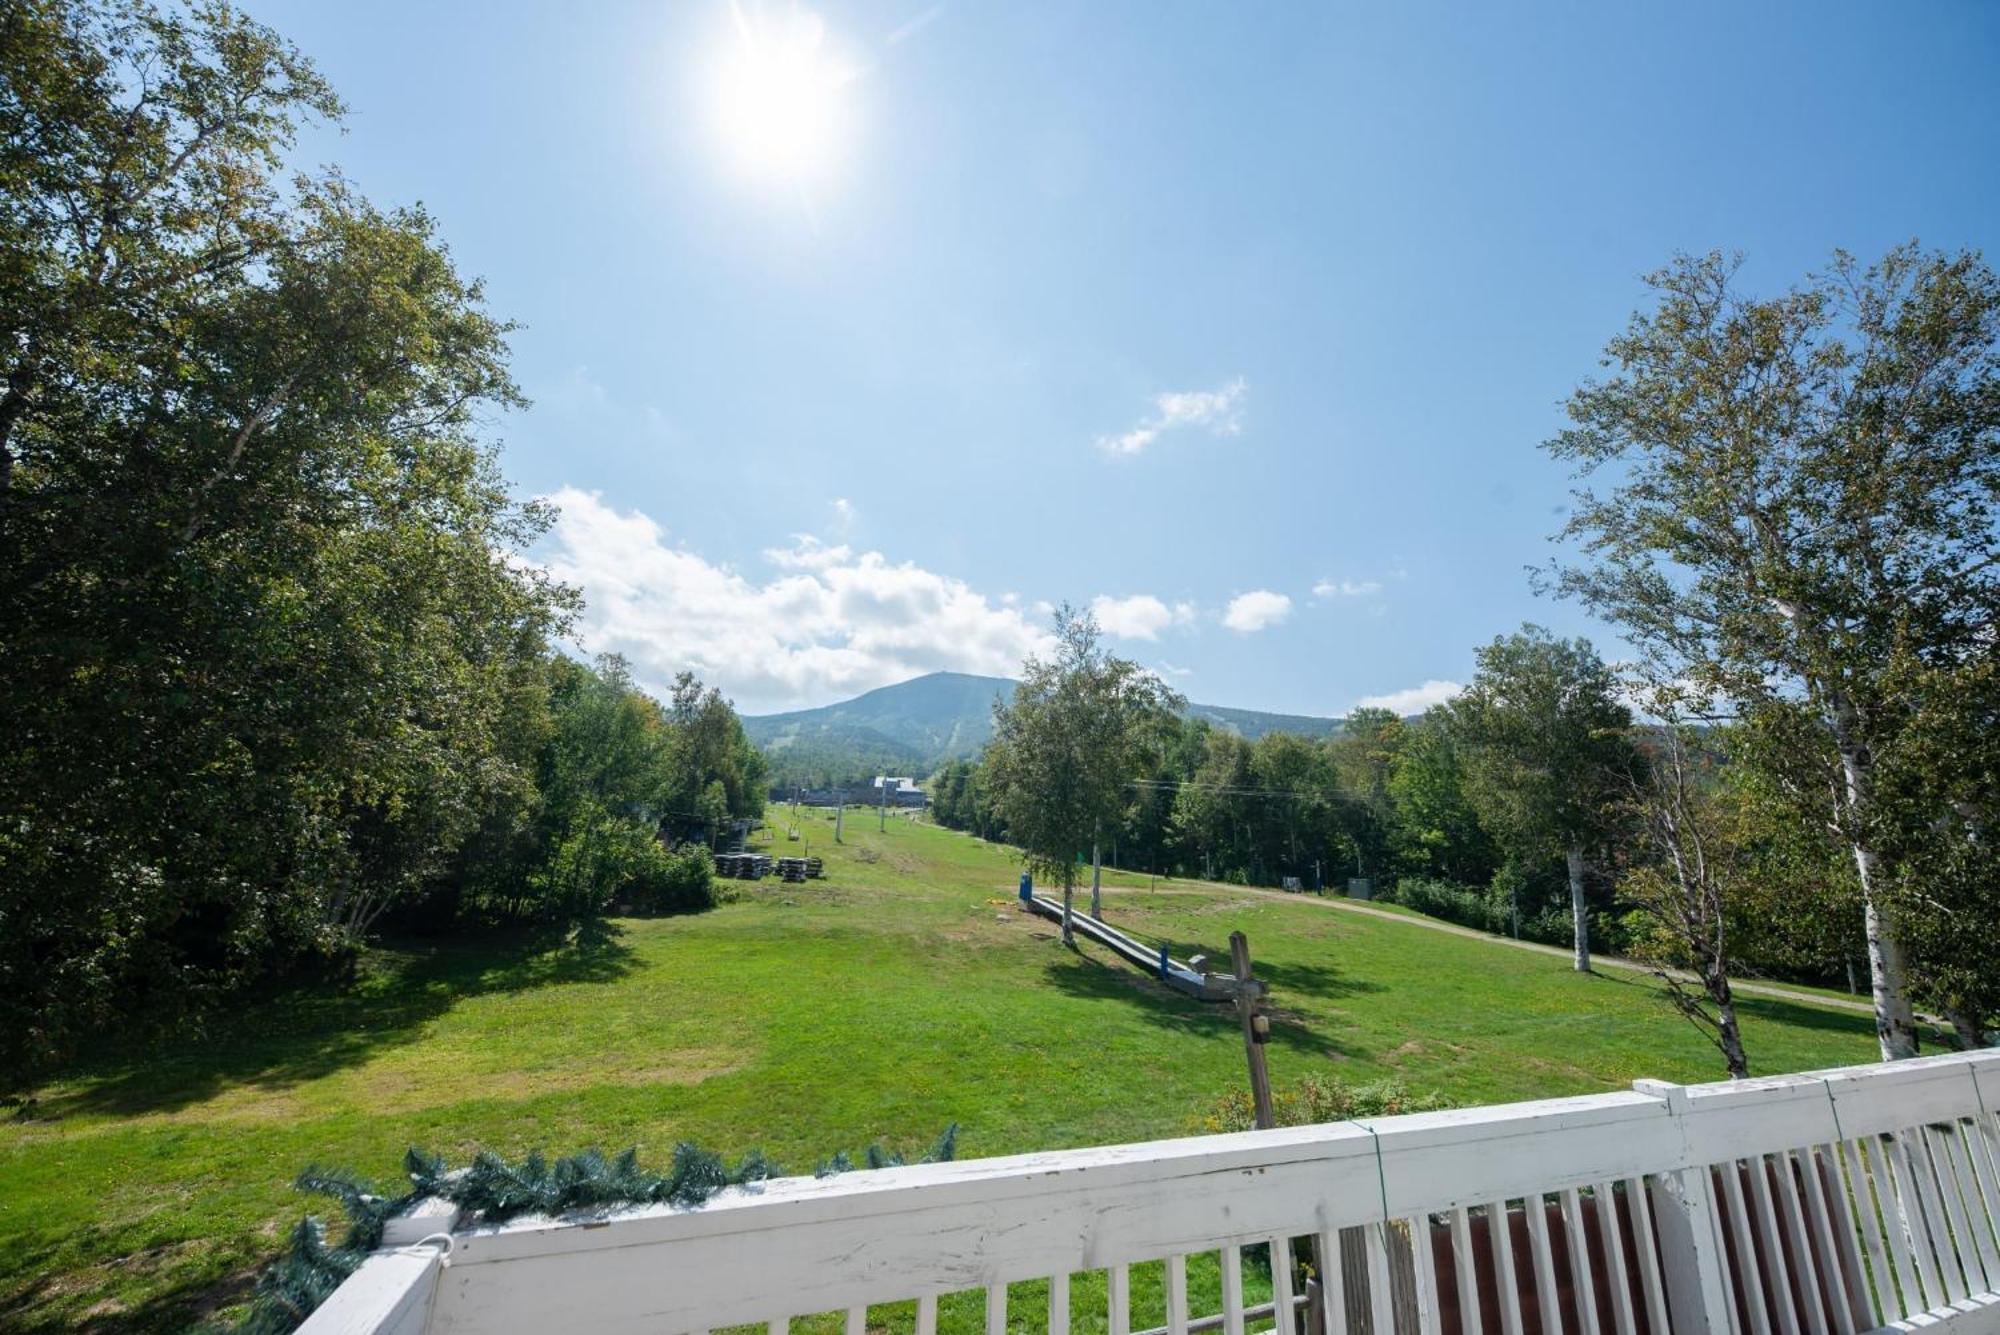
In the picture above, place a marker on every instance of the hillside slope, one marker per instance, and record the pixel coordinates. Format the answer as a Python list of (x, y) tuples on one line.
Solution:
[(916, 725)]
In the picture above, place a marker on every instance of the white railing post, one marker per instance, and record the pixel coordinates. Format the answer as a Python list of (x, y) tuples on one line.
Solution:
[(1692, 1262)]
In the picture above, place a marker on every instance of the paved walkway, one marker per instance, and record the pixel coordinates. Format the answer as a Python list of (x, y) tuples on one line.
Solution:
[(1344, 905)]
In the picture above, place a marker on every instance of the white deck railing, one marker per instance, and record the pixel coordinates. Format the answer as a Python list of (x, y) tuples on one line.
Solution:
[(1849, 1200)]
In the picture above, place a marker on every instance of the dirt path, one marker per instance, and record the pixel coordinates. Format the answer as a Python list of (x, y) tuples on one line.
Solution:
[(1343, 905)]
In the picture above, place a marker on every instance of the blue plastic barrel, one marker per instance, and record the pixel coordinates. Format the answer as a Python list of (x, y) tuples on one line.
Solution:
[(1027, 887)]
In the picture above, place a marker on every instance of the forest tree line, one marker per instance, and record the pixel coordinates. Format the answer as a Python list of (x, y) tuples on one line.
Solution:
[(273, 671)]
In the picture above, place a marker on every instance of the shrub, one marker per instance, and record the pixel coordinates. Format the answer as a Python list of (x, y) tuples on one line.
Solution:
[(1316, 1099), (678, 881), (1462, 904)]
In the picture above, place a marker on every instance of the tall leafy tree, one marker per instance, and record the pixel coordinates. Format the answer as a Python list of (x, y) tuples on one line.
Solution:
[(1798, 496), (1079, 729), (1548, 756), (259, 626)]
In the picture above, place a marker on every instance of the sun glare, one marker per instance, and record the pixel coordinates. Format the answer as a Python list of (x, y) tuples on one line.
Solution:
[(779, 96)]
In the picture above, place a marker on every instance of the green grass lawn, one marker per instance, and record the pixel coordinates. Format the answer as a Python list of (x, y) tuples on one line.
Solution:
[(902, 993)]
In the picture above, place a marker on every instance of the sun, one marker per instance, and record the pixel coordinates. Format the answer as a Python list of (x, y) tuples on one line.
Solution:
[(780, 96)]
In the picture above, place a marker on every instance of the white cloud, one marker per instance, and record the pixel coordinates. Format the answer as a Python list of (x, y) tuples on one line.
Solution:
[(1346, 588), (1219, 411), (808, 553), (832, 623), (1256, 610), (1412, 699), (1139, 617), (1171, 670)]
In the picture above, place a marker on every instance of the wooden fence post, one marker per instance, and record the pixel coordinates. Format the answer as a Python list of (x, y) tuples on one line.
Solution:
[(1696, 1272)]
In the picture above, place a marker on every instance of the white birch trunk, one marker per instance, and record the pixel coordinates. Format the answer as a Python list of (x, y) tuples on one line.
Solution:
[(1888, 981), (1578, 916), (1096, 880)]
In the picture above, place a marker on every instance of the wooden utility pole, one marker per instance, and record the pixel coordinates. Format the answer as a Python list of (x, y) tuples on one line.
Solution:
[(1256, 1033), (1256, 1028)]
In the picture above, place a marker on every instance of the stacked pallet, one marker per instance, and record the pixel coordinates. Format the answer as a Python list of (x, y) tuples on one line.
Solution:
[(792, 869), (742, 866)]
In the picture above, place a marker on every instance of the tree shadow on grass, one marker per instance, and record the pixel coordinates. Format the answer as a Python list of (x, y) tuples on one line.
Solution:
[(1766, 1009), (1324, 981), (288, 1036), (1093, 978)]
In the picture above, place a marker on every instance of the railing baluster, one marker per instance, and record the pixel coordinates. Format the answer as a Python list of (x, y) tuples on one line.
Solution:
[(1332, 1283), (1954, 1180), (1381, 1313), (1423, 1258), (1749, 1275), (1609, 1235), (1852, 1185), (926, 1315), (1118, 1287), (1639, 1207), (857, 1321), (996, 1308), (1800, 1254), (1059, 1304), (1834, 1260), (1911, 1195), (1582, 1282), (1547, 1299), (781, 1326), (1177, 1311), (1778, 1275), (1986, 1181), (1465, 1271), (1895, 1227), (1500, 1241), (1232, 1290), (1283, 1311)]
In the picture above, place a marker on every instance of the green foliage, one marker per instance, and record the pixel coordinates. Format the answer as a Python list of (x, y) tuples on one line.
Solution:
[(1799, 516), (491, 1190), (1313, 1100), (1066, 746), (1464, 905)]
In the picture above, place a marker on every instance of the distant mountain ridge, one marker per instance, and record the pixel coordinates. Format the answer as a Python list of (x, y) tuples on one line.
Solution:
[(916, 725)]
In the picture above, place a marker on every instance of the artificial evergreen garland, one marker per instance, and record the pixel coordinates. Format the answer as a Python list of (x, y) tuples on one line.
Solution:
[(490, 1190)]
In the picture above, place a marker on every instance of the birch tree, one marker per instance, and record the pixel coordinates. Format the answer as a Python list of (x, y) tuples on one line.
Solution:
[(1782, 497), (1068, 745), (1547, 756)]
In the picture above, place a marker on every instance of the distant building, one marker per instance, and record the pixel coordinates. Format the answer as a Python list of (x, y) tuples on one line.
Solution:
[(902, 791)]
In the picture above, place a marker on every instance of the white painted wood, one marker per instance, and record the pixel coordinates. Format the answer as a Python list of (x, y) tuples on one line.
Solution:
[(1177, 1308), (1381, 1314), (996, 1309), (1332, 1284), (1652, 1293), (1424, 1258), (1859, 1193), (1500, 1241), (896, 1235), (1749, 1274), (1615, 1268), (1978, 1145), (1547, 1298), (783, 1325), (1836, 1276), (1465, 1273), (1582, 1281), (1777, 1272), (1059, 1302), (1889, 1191), (1919, 1208), (1804, 1266), (926, 1316), (857, 1321), (390, 1294), (1955, 1154), (1281, 1286), (1232, 1290), (1118, 1287)]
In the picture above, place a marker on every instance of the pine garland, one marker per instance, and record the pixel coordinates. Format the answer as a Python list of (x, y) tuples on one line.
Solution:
[(490, 1190)]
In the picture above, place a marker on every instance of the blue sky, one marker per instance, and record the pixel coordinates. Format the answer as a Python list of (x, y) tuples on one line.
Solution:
[(1249, 318)]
